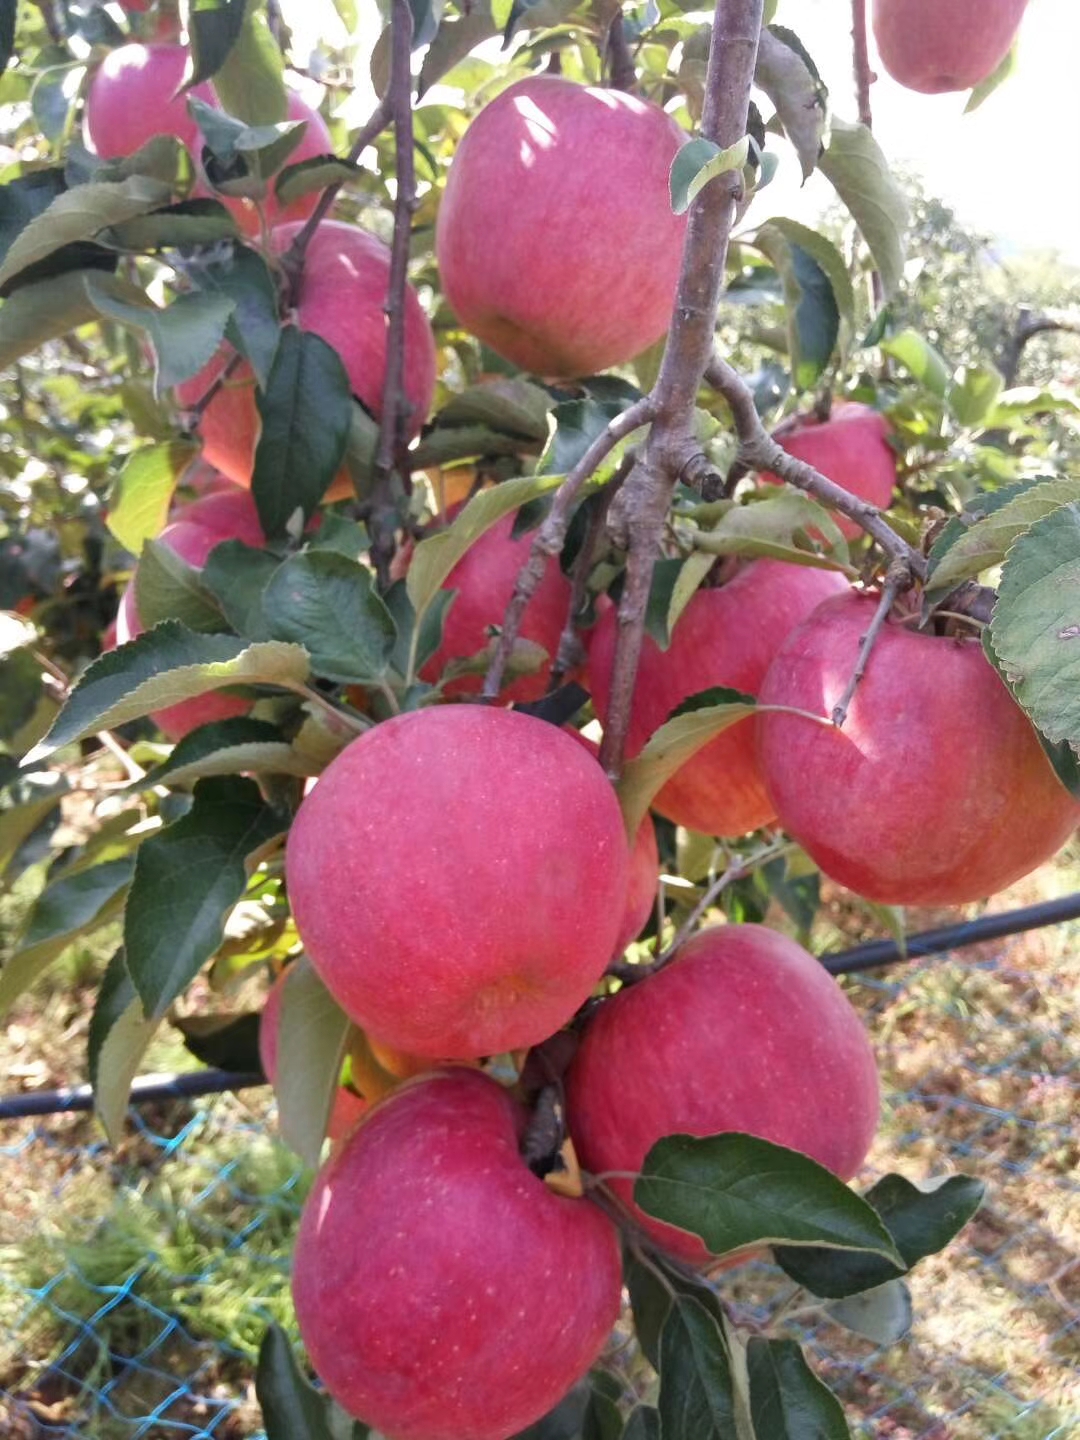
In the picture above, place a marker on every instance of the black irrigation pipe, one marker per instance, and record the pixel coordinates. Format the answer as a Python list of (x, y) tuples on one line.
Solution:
[(147, 1089)]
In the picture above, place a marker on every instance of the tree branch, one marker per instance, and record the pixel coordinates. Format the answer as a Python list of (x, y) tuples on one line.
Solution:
[(643, 504), (570, 653), (759, 451), (864, 76), (897, 579), (1028, 325)]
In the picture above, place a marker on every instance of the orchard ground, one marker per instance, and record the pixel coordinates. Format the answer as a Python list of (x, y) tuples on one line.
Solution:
[(154, 1270)]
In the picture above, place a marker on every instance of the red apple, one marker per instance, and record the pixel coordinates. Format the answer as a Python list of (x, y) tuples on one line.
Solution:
[(556, 241), (484, 579), (206, 523), (348, 1107), (513, 846), (441, 1288), (851, 448), (937, 45), (132, 97), (935, 792), (743, 1031), (725, 637), (341, 298)]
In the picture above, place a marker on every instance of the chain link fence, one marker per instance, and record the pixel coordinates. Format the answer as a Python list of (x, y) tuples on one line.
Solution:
[(135, 1285)]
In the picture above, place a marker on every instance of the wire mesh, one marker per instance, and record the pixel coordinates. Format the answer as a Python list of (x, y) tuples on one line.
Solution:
[(135, 1285)]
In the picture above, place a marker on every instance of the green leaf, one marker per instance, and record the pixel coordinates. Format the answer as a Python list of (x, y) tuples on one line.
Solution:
[(19, 822), (243, 277), (699, 161), (736, 1191), (974, 393), (690, 578), (312, 176), (883, 1315), (791, 81), (643, 1424), (7, 33), (42, 311), (603, 1419), (228, 1042), (237, 576), (20, 687), (201, 220), (162, 667), (783, 525), (213, 29), (142, 494), (436, 556), (118, 1039), (457, 38), (292, 1409), (328, 603), (508, 403), (168, 588), (305, 412), (242, 157), (995, 529), (697, 1397), (668, 750), (577, 424), (921, 1219), (919, 359), (860, 174), (653, 1289), (66, 908), (159, 158), (1035, 627), (823, 253), (80, 214), (564, 1422), (171, 929), (787, 1400), (250, 82), (986, 88), (311, 1050), (185, 334), (228, 747)]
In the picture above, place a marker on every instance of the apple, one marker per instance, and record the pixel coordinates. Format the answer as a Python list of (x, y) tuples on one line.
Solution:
[(936, 791), (484, 580), (851, 448), (743, 1031), (205, 523), (938, 45), (556, 241), (348, 1106), (441, 1288), (132, 97), (341, 298), (726, 636), (513, 846)]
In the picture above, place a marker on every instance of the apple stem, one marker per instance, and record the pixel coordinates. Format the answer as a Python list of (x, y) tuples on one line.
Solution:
[(897, 579), (759, 451), (552, 533)]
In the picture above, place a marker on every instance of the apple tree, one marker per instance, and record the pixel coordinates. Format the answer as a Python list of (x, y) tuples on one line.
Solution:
[(358, 476)]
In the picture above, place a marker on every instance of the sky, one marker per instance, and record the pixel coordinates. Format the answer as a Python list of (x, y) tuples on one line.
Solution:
[(1011, 169)]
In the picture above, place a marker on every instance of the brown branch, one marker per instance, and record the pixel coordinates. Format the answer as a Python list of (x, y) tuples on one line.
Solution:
[(897, 579), (552, 534), (646, 496), (617, 56), (864, 76), (759, 451), (221, 379), (570, 652), (1028, 325)]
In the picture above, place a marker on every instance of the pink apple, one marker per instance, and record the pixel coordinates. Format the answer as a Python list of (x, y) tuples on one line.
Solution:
[(484, 580), (556, 241), (937, 45), (348, 1107), (852, 449), (725, 637), (516, 858), (132, 97), (743, 1031), (935, 792), (441, 1288), (342, 294)]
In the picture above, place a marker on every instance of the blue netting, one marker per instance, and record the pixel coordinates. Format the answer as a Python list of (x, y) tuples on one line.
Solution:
[(135, 1286)]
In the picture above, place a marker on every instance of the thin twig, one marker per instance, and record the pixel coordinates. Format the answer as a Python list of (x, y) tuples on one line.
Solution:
[(552, 534), (864, 76), (897, 579), (760, 451), (570, 653), (131, 769), (221, 379), (671, 446)]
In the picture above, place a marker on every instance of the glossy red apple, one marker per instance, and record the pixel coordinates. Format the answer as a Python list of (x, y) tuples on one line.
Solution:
[(743, 1031), (205, 523), (725, 637), (852, 449), (348, 1107), (516, 858), (556, 241), (133, 97), (484, 580), (935, 792), (341, 298), (938, 45), (442, 1289)]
